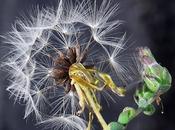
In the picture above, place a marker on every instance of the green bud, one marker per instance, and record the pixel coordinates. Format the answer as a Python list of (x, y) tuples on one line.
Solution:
[(142, 103), (166, 80), (127, 115), (116, 126), (148, 95), (156, 77), (149, 110), (152, 84), (143, 97)]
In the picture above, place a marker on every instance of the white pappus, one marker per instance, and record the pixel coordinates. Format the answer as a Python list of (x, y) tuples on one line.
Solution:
[(35, 42)]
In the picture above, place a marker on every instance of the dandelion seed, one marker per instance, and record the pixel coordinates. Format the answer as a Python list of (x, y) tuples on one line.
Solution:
[(66, 122)]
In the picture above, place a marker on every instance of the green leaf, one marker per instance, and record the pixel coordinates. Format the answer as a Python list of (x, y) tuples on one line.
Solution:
[(127, 115)]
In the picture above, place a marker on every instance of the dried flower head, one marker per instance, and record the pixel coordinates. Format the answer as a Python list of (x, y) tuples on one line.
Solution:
[(45, 45), (63, 63)]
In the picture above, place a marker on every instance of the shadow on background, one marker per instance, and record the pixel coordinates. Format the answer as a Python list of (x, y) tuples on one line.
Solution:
[(148, 21)]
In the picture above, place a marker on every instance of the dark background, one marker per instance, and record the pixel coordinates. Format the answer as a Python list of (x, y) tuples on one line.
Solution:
[(150, 22)]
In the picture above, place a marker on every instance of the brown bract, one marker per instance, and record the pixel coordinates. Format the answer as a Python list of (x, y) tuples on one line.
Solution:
[(62, 64)]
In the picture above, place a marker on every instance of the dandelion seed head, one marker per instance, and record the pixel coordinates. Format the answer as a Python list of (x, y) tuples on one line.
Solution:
[(47, 42)]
